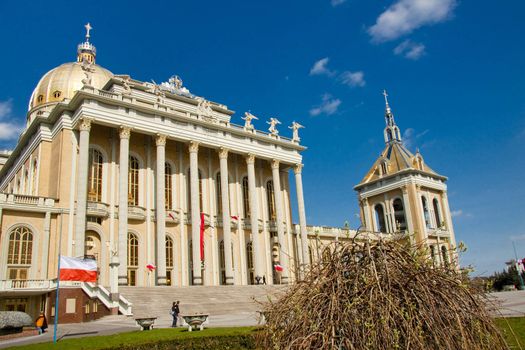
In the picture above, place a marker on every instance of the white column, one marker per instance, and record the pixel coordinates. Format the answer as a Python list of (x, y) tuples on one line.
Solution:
[(83, 160), (160, 210), (226, 218), (123, 190), (195, 212), (283, 258), (408, 211), (254, 215), (302, 215)]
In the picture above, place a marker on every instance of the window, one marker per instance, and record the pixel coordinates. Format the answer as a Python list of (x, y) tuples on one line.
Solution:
[(218, 193), (34, 178), (57, 94), (96, 160), (133, 258), (444, 254), (433, 254), (399, 215), (270, 197), (40, 98), (389, 134), (426, 214), (384, 168), (169, 259), (380, 218), (222, 263), (249, 261), (26, 181), (437, 213), (168, 186), (20, 253), (246, 197), (133, 181)]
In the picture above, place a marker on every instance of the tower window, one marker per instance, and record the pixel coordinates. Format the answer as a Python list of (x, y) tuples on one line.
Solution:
[(437, 213), (57, 94), (426, 214), (399, 214), (380, 218), (40, 98)]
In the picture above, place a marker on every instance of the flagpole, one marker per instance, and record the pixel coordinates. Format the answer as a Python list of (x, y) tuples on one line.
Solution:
[(58, 278)]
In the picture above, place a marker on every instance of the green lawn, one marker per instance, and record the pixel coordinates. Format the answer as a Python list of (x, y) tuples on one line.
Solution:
[(513, 329), (216, 338), (229, 336)]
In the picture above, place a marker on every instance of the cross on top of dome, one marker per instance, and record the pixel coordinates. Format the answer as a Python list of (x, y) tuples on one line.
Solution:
[(86, 51)]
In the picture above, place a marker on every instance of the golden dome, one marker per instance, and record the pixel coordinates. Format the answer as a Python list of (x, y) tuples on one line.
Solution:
[(63, 81)]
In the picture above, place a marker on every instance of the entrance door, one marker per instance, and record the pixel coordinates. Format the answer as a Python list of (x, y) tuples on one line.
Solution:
[(93, 249)]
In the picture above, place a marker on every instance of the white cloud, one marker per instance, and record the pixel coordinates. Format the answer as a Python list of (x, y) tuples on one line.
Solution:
[(320, 68), (337, 2), (405, 16), (8, 130), (410, 137), (410, 50), (328, 106), (353, 78), (456, 213)]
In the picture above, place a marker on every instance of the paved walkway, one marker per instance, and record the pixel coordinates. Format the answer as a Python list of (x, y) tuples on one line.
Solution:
[(509, 304)]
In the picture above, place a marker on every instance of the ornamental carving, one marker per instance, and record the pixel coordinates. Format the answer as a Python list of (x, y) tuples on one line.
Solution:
[(193, 147), (124, 132), (275, 164), (223, 153), (160, 140), (85, 124), (250, 158), (298, 168)]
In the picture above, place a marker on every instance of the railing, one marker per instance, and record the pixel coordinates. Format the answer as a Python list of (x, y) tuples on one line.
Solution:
[(26, 284), (136, 213), (23, 199), (97, 209), (247, 224), (108, 94), (98, 291)]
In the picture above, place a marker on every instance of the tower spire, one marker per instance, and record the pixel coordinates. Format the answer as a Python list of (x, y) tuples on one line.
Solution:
[(86, 51), (392, 132)]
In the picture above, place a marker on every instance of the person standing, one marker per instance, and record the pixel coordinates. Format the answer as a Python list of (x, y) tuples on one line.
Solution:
[(41, 323), (175, 313)]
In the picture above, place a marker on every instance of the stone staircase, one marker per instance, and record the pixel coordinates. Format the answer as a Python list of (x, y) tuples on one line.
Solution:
[(226, 305)]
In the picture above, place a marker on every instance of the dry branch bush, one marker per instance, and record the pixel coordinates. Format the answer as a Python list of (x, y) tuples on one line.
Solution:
[(380, 295)]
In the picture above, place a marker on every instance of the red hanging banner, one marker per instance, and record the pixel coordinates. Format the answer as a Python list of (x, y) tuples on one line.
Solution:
[(202, 237)]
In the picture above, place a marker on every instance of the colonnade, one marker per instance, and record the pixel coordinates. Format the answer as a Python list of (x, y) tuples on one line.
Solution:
[(193, 148)]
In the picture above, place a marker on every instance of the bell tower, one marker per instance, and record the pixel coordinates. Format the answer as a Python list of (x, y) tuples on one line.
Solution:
[(402, 195)]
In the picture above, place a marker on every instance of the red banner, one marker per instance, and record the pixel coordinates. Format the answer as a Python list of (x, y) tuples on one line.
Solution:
[(202, 237)]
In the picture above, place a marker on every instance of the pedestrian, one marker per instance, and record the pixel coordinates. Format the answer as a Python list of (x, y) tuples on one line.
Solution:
[(175, 313), (41, 323), (264, 279)]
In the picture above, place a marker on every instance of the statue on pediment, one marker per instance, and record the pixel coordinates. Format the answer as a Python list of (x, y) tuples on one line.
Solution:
[(273, 123), (204, 107), (295, 128), (248, 117)]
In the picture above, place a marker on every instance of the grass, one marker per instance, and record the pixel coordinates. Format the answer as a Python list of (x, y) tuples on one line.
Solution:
[(513, 330), (137, 338)]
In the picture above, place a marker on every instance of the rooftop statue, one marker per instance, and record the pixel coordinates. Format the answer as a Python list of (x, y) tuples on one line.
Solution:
[(273, 123), (204, 107), (248, 117), (295, 127)]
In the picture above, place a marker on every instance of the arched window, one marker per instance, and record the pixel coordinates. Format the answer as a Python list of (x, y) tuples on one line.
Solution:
[(26, 181), (218, 193), (389, 134), (444, 254), (426, 214), (433, 254), (200, 190), (96, 160), (222, 263), (399, 215), (437, 213), (40, 98), (384, 169), (249, 261), (169, 259), (380, 218), (246, 197), (168, 200), (133, 181), (57, 94), (133, 258), (270, 197), (19, 253)]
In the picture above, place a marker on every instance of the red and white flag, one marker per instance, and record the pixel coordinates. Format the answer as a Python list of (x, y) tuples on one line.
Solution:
[(235, 217), (77, 269), (278, 267), (151, 267)]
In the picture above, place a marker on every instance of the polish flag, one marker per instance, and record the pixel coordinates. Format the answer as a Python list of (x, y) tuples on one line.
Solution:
[(171, 215), (278, 267), (151, 267), (77, 269)]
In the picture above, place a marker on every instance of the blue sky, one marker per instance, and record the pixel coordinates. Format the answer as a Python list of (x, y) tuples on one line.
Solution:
[(455, 72)]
